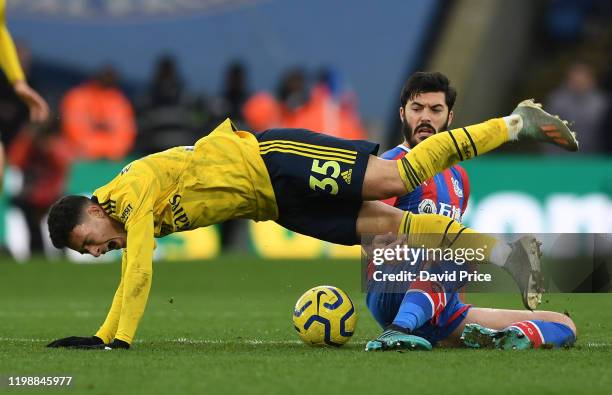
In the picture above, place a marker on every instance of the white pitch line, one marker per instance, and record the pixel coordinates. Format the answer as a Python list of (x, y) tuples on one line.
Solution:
[(596, 345), (240, 341), (255, 342), (179, 340), (18, 339)]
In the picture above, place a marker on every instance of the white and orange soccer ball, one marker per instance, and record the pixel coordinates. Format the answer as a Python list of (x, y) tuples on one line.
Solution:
[(325, 315)]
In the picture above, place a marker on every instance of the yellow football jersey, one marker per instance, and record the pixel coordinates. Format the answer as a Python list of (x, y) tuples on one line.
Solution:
[(222, 177), (9, 62)]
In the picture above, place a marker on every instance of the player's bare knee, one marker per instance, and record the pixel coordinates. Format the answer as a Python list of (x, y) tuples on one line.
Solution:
[(567, 320), (382, 180), (559, 318), (369, 193), (392, 221), (378, 218), (388, 189)]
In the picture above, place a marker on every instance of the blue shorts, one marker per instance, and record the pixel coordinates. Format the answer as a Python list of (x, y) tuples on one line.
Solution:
[(385, 306), (317, 181)]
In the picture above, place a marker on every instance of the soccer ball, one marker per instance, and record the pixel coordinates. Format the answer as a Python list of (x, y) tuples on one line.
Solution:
[(325, 315)]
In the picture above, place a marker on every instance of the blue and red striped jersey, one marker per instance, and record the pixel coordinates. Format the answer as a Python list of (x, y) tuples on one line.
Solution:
[(446, 193)]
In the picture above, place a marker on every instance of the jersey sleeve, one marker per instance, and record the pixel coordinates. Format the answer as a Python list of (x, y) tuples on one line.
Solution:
[(137, 277), (8, 54), (130, 200), (109, 328)]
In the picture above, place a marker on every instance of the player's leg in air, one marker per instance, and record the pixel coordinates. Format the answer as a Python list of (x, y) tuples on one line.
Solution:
[(389, 178), (321, 183), (424, 317)]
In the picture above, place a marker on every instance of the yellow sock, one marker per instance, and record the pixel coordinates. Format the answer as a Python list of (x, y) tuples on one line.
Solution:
[(438, 231), (404, 224), (445, 149)]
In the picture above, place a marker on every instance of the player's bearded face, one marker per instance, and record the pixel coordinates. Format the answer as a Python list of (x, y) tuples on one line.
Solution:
[(421, 132), (423, 116)]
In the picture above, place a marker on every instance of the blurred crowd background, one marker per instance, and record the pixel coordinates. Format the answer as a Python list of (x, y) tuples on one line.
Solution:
[(128, 78)]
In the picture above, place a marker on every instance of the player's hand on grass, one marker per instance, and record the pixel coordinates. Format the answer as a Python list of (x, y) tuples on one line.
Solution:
[(394, 339), (116, 344), (76, 341)]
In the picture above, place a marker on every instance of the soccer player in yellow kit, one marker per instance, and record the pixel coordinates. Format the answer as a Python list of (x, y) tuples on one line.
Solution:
[(308, 182), (9, 62), (39, 110)]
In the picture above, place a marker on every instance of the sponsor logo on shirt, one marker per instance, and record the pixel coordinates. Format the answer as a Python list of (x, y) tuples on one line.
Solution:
[(180, 218), (450, 211), (427, 206), (126, 213), (457, 187), (346, 175)]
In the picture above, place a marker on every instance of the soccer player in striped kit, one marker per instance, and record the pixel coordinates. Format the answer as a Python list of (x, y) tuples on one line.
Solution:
[(429, 314)]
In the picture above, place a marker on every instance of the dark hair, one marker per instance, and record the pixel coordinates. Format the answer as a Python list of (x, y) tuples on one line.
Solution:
[(423, 82), (64, 215)]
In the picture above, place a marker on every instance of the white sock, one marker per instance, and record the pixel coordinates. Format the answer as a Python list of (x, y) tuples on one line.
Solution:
[(515, 124), (500, 253)]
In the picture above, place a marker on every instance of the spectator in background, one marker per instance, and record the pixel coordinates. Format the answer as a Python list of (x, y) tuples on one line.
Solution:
[(14, 113), (229, 104), (565, 19), (293, 95), (44, 158), (325, 108), (234, 95), (334, 110), (167, 115), (579, 100), (262, 111), (288, 109), (98, 120)]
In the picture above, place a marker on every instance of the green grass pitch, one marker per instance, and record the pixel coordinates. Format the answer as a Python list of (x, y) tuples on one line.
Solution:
[(224, 326)]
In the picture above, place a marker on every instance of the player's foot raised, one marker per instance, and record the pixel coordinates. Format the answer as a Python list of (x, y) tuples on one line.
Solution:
[(523, 264), (394, 340), (542, 126), (478, 336)]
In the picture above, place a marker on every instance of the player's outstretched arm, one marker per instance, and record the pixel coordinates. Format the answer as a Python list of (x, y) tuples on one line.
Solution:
[(137, 277), (109, 328), (39, 109), (131, 296), (107, 331)]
